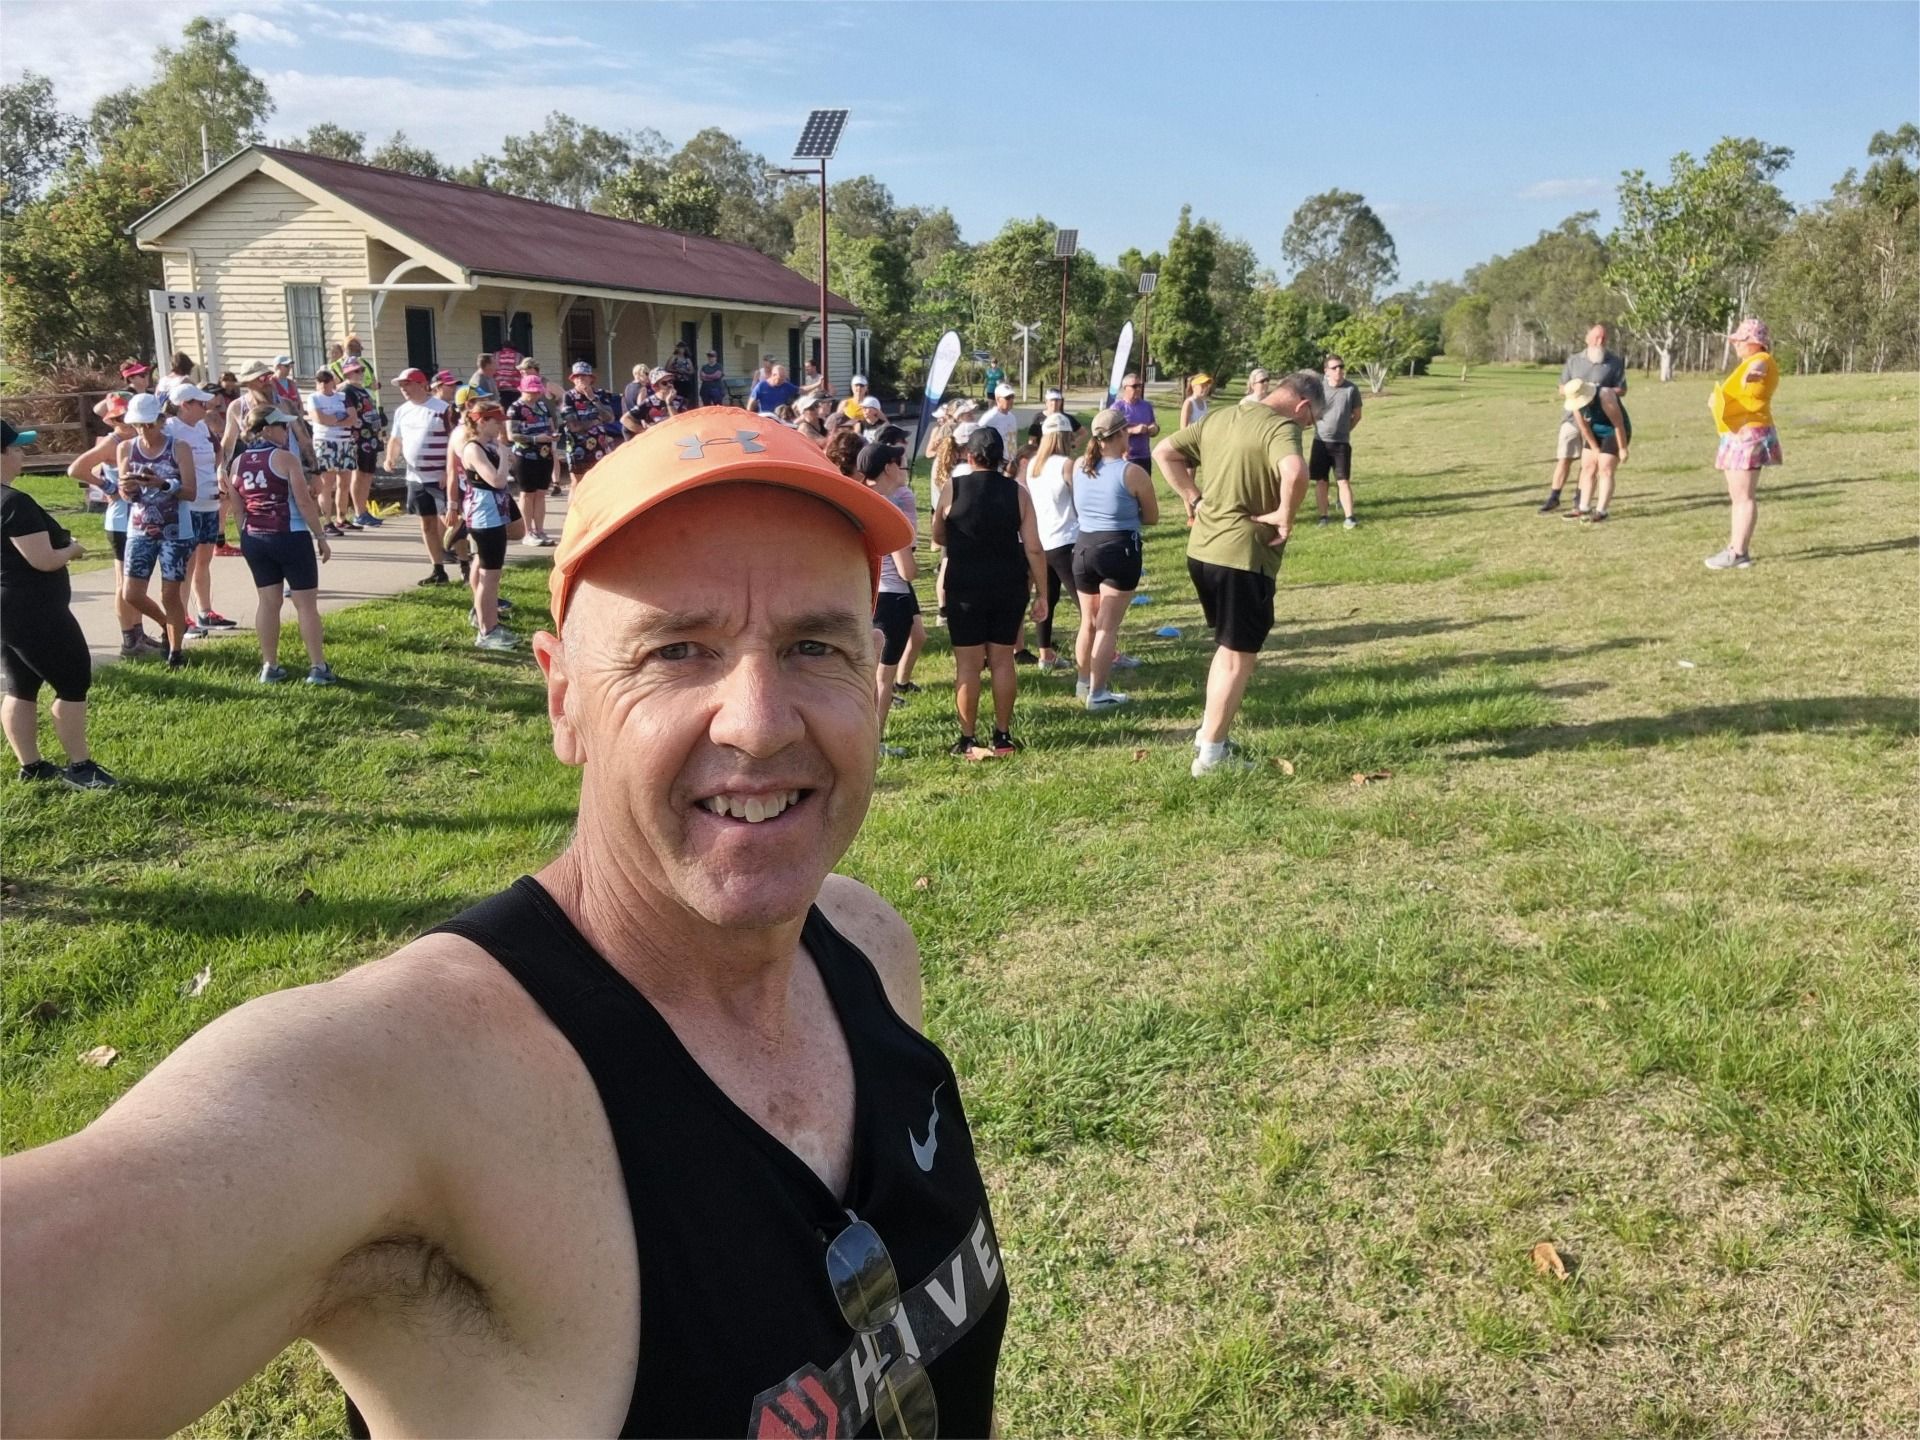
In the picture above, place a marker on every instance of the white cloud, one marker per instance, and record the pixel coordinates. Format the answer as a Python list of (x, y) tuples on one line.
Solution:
[(1581, 189), (249, 26), (88, 50), (439, 113)]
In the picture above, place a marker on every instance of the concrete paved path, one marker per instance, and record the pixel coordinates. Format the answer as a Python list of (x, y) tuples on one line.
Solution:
[(366, 565)]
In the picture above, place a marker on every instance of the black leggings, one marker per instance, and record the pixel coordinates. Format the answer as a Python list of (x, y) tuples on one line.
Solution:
[(42, 644), (1059, 580)]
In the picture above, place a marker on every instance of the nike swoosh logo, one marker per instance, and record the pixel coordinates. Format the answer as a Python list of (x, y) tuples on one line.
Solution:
[(924, 1150)]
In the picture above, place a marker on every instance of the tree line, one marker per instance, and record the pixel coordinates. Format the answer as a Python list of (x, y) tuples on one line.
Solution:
[(1839, 281)]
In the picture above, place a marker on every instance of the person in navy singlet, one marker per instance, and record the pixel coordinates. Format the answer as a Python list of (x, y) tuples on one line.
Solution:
[(648, 1143), (279, 530)]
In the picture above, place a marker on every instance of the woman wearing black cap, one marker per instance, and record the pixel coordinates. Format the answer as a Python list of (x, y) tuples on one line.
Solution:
[(994, 561), (40, 641)]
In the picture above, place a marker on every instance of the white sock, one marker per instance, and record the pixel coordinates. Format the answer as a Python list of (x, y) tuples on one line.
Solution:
[(1211, 752)]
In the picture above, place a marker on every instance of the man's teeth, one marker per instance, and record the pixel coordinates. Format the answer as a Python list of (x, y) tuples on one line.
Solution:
[(752, 808)]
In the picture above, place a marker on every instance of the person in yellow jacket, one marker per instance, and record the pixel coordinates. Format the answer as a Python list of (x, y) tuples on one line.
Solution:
[(1742, 406)]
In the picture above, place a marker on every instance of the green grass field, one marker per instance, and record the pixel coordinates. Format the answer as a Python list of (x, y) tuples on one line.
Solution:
[(1277, 1080)]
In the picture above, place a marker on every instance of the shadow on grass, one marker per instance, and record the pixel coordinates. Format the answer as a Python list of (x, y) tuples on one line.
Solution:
[(1769, 494), (212, 913), (1858, 714), (1325, 637), (1841, 552)]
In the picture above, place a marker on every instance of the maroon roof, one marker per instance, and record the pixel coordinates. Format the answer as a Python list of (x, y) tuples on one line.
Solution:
[(496, 234)]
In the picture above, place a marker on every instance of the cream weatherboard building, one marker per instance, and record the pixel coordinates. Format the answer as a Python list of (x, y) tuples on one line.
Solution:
[(299, 251)]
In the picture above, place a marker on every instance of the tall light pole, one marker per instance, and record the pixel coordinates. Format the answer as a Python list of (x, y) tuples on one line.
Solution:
[(1149, 282), (1024, 333), (1065, 244), (818, 141)]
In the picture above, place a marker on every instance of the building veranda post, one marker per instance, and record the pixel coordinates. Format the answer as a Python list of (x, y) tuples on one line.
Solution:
[(298, 251)]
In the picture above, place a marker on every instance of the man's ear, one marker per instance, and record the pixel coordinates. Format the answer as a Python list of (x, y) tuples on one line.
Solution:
[(551, 652)]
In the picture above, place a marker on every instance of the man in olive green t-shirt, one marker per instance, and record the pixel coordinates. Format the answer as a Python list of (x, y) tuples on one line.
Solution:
[(1256, 476)]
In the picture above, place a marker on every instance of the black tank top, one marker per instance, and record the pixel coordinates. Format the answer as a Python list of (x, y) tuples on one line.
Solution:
[(984, 550), (740, 1333)]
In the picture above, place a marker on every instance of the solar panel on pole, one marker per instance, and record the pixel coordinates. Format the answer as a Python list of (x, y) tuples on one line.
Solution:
[(1066, 244), (1149, 281), (822, 135)]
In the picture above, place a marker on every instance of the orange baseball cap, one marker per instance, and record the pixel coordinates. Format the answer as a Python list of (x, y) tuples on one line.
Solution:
[(715, 445)]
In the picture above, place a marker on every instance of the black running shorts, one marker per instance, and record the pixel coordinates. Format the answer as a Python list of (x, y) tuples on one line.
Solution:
[(1330, 457), (990, 617), (1238, 604), (1106, 557), (893, 614), (535, 471)]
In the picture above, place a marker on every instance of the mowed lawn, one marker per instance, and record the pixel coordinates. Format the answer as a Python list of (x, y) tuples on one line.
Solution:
[(1277, 1079)]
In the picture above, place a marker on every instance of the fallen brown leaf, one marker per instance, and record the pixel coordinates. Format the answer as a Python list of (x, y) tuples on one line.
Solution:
[(305, 897), (1546, 1259), (473, 772), (1139, 755), (1285, 766), (1368, 777), (921, 882), (100, 1057)]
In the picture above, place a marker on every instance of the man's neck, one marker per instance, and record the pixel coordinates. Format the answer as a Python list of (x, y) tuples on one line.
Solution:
[(676, 959)]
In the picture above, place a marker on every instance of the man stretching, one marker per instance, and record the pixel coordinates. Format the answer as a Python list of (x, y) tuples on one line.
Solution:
[(1607, 373), (1256, 478)]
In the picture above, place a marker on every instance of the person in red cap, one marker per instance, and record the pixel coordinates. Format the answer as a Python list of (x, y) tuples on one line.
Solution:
[(647, 1143), (136, 378)]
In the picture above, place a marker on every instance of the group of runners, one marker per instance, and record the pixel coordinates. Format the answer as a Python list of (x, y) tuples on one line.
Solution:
[(1018, 523)]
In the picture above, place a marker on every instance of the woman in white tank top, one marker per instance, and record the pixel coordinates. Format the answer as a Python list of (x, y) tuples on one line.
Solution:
[(1193, 409), (1049, 481)]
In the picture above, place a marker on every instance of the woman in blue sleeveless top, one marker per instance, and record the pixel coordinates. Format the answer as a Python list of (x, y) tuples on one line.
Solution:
[(1113, 498)]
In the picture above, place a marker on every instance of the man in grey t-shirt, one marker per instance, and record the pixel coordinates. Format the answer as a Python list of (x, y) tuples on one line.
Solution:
[(1332, 452), (1608, 372)]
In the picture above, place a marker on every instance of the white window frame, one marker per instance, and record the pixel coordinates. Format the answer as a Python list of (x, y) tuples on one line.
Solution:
[(309, 351)]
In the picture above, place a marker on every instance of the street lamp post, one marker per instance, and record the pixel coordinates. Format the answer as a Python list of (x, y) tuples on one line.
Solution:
[(1065, 243), (818, 141), (1024, 333), (1149, 281)]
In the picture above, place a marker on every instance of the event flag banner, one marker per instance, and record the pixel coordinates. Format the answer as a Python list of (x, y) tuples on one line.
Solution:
[(1122, 353), (946, 355)]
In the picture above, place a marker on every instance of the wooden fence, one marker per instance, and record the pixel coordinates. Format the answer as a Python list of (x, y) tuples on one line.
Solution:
[(66, 425)]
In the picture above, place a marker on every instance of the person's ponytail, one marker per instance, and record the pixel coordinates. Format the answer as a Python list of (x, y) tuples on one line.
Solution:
[(1091, 464)]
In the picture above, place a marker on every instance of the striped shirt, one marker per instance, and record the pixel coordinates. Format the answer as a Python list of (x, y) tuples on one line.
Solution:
[(424, 429)]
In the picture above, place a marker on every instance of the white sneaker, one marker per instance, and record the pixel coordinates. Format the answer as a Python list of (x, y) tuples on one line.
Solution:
[(498, 638), (893, 752), (532, 542), (1725, 560), (1233, 762), (1126, 662), (1107, 700)]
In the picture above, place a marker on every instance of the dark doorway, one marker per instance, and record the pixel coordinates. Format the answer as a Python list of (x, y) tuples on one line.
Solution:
[(521, 332), (421, 354), (793, 353), (719, 340), (690, 337)]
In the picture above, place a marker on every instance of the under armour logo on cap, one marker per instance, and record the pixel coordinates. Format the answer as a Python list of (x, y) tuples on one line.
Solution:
[(694, 447)]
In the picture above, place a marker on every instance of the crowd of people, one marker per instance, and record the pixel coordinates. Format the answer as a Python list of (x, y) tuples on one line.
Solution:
[(1019, 520)]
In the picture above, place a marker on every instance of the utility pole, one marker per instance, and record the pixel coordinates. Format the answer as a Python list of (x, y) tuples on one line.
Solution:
[(818, 141), (1024, 333), (1149, 282), (1065, 244)]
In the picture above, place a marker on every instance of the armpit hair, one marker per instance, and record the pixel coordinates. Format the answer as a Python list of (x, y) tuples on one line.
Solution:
[(410, 1279)]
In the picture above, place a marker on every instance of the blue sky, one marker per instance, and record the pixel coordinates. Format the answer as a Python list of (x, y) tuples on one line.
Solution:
[(1469, 127)]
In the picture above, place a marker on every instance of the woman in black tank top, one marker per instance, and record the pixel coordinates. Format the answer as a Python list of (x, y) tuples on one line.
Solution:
[(994, 561)]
